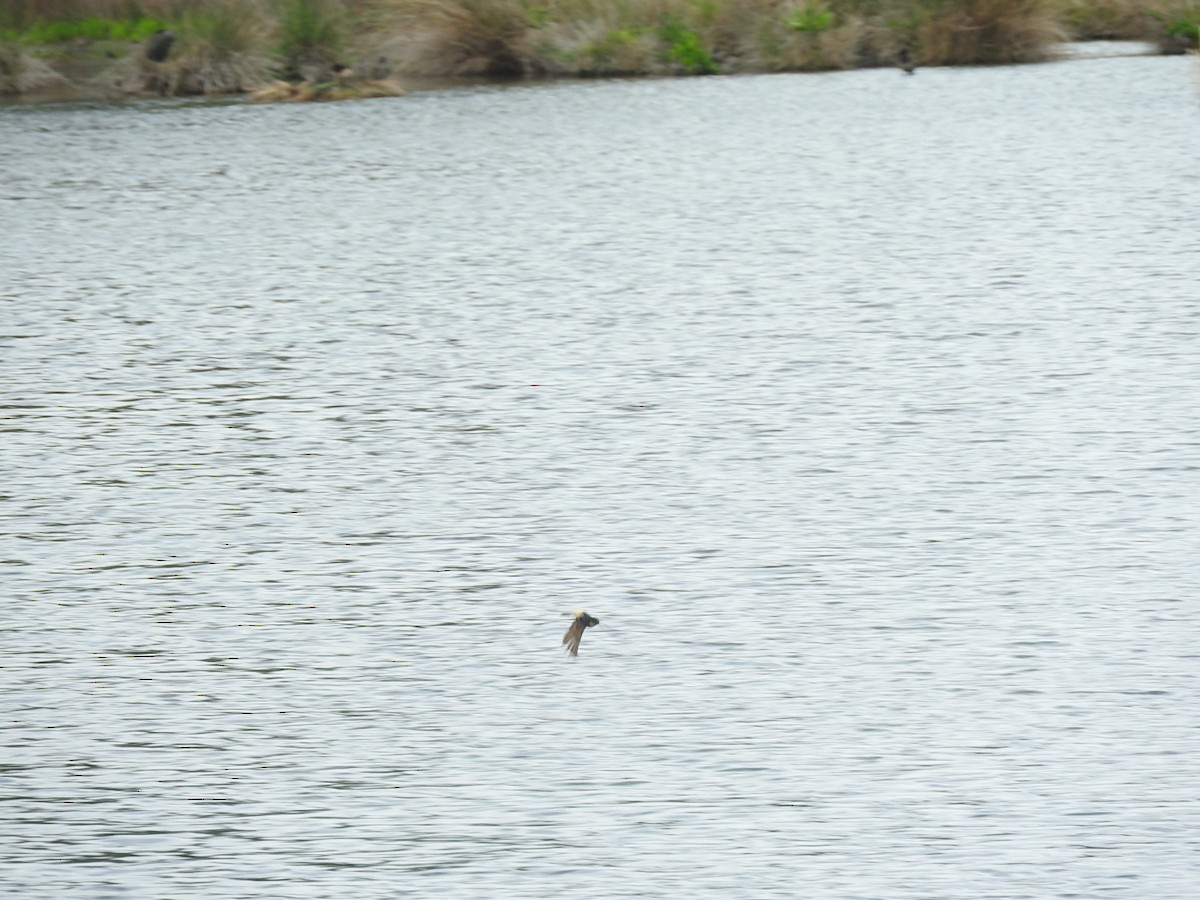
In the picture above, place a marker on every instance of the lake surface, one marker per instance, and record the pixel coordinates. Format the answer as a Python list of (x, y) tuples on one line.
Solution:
[(861, 409)]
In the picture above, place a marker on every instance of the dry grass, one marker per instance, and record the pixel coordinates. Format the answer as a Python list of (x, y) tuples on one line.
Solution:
[(1179, 25), (21, 73), (594, 37), (468, 37), (306, 92), (1173, 24), (566, 37), (1109, 19), (233, 45), (974, 32), (198, 72), (837, 40), (221, 49)]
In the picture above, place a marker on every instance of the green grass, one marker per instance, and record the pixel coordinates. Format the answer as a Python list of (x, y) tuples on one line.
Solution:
[(1180, 24), (812, 19), (683, 46), (93, 28)]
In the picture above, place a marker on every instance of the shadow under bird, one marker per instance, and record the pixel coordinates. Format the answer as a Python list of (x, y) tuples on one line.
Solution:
[(575, 633)]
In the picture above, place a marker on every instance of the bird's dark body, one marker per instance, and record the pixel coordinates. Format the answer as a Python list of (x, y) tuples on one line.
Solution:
[(575, 633)]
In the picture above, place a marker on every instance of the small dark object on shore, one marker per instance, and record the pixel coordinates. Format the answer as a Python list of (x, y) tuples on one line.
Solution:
[(159, 45), (905, 61), (575, 632)]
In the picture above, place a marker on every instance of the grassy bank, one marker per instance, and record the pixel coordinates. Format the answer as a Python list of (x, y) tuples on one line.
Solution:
[(222, 46)]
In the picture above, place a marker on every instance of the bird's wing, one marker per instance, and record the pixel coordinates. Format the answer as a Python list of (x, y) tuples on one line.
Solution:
[(574, 635)]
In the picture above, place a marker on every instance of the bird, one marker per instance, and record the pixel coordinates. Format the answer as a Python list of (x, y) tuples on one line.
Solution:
[(905, 61), (159, 45), (575, 632)]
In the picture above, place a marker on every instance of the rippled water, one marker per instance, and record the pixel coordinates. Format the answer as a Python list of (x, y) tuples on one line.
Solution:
[(861, 409)]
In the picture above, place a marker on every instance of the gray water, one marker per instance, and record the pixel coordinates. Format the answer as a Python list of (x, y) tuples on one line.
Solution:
[(861, 409)]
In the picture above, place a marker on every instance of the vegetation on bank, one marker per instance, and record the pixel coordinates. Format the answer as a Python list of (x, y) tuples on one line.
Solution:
[(222, 46)]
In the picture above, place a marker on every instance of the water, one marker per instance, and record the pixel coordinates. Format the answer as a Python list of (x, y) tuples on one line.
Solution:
[(859, 408)]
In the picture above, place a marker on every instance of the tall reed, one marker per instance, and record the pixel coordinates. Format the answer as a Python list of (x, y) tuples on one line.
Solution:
[(311, 35), (973, 32)]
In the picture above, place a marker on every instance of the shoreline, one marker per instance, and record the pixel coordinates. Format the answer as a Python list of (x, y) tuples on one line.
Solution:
[(324, 50), (80, 79)]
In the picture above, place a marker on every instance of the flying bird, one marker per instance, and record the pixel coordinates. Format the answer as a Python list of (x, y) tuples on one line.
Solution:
[(575, 632)]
